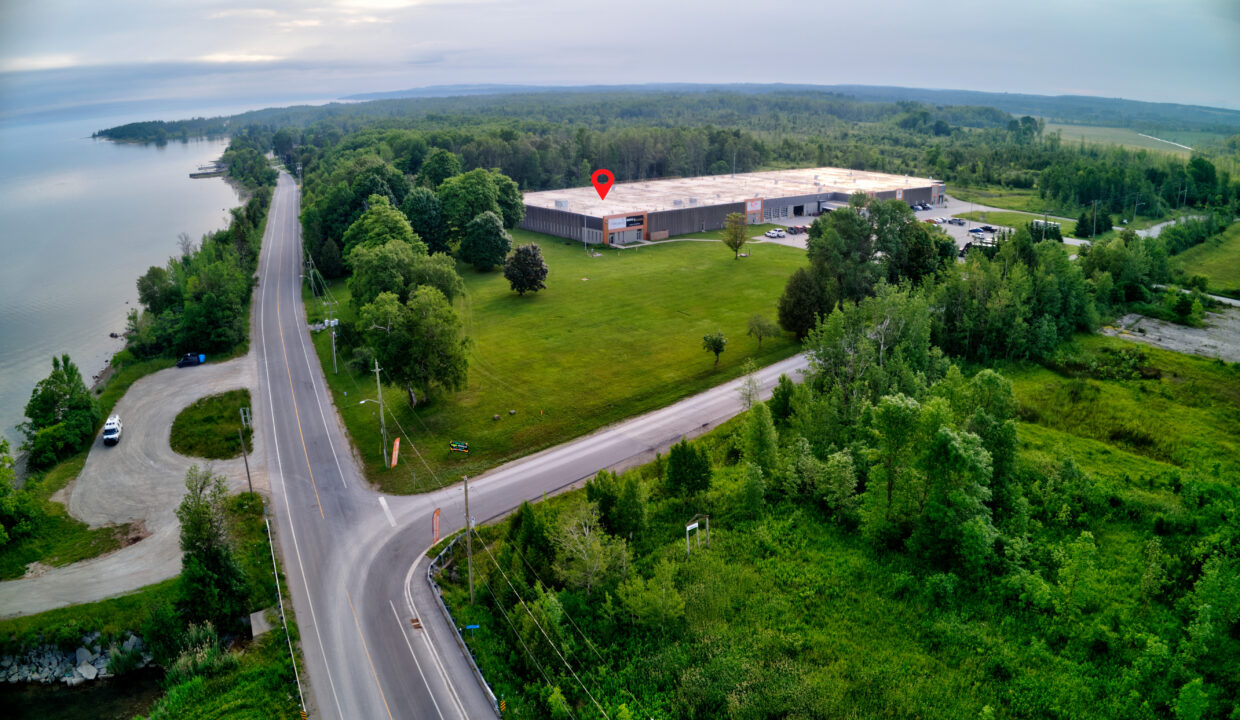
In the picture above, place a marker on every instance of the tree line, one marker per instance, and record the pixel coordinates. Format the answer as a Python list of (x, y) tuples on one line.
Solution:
[(199, 301)]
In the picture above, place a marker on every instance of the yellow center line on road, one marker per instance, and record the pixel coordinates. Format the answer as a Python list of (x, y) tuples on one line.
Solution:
[(289, 373), (367, 651)]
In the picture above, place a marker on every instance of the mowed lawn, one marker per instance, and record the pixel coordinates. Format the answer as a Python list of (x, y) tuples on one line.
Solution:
[(1126, 137), (1015, 219), (1218, 259), (611, 337)]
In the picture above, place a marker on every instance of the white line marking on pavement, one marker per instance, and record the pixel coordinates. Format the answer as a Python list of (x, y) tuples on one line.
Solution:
[(415, 658), (262, 325), (426, 636), (386, 511)]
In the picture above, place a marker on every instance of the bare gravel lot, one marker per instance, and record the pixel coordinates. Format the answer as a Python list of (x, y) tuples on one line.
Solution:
[(140, 479), (1219, 339)]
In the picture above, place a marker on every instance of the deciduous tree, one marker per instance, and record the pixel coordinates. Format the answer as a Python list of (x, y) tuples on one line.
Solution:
[(421, 206), (735, 233), (465, 197), (438, 166), (486, 242), (212, 585), (715, 343), (586, 555), (761, 327), (525, 269), (378, 225)]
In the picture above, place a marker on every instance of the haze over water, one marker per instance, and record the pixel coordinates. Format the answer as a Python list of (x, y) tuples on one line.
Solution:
[(80, 220)]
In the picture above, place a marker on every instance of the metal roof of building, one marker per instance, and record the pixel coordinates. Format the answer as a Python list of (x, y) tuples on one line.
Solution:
[(654, 195)]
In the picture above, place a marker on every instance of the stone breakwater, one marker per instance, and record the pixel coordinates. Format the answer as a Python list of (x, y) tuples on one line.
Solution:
[(48, 664)]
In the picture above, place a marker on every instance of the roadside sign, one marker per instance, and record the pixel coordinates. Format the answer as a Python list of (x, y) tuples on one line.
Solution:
[(435, 525), (458, 446), (472, 627)]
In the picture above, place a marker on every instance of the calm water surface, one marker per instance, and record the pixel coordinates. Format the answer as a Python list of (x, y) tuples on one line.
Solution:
[(80, 220)]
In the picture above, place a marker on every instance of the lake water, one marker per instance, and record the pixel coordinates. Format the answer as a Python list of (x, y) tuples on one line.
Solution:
[(80, 220)]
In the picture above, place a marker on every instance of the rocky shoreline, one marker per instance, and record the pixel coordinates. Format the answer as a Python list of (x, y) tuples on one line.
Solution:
[(47, 664)]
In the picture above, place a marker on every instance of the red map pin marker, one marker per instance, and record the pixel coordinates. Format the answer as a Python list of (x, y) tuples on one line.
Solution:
[(602, 180)]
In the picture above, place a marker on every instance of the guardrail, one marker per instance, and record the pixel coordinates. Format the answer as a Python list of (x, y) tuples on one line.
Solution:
[(437, 563)]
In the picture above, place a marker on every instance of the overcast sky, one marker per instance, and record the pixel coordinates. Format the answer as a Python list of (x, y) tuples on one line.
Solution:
[(71, 52)]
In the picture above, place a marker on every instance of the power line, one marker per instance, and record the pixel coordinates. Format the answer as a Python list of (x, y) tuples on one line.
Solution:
[(520, 639), (542, 630), (590, 644)]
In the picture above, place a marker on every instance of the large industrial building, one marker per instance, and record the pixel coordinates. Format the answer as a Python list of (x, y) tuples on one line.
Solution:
[(657, 209)]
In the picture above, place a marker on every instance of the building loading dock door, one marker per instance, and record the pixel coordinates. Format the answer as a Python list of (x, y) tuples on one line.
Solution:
[(798, 211)]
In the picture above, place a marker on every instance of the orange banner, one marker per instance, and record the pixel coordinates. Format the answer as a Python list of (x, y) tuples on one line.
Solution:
[(395, 451), (435, 525)]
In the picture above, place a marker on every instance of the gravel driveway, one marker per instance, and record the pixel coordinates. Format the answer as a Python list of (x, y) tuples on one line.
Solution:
[(139, 479)]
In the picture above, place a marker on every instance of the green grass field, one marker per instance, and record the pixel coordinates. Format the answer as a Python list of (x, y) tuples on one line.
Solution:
[(1186, 418), (1000, 197), (610, 337), (1015, 219), (1126, 137), (1218, 259), (208, 428)]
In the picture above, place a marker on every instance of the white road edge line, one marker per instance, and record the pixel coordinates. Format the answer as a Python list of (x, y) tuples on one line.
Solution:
[(408, 644), (262, 331), (386, 511), (434, 653), (318, 400)]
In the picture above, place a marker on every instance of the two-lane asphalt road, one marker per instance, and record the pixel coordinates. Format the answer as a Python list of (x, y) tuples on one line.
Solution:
[(355, 560)]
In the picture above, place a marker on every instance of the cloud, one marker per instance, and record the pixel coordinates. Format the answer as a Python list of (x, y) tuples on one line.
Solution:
[(375, 4), (365, 20), (291, 24), (38, 62), (242, 12), (238, 58)]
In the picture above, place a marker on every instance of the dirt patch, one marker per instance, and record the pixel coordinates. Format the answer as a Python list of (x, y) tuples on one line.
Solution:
[(35, 569), (133, 532), (1219, 339)]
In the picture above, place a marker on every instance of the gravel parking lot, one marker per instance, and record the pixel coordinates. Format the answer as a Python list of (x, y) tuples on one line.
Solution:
[(139, 479)]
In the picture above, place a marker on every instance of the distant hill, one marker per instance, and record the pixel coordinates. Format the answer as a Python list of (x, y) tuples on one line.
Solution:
[(1071, 109)]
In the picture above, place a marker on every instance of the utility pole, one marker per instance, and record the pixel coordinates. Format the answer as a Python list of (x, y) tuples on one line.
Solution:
[(382, 422), (245, 422), (469, 540)]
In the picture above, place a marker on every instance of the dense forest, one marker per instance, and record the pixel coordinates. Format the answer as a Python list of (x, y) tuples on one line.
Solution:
[(549, 140)]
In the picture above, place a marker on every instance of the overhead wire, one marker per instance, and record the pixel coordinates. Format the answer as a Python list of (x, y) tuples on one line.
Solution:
[(537, 624)]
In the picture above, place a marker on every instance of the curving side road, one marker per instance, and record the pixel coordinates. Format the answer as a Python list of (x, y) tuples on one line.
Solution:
[(355, 560)]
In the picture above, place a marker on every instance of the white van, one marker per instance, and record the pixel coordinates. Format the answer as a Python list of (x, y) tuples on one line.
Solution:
[(112, 430)]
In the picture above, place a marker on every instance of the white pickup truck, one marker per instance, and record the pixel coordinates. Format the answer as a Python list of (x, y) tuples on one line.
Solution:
[(112, 430)]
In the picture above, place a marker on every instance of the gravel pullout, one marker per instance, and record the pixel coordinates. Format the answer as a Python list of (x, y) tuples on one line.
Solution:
[(140, 478)]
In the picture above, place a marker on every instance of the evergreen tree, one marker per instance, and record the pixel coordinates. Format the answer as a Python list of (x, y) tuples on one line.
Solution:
[(761, 442), (60, 417), (688, 469)]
